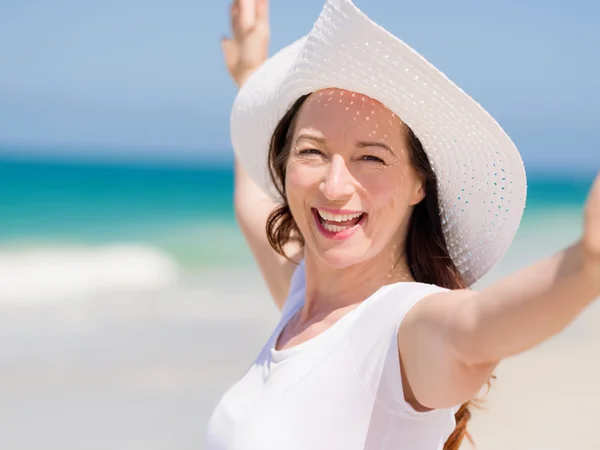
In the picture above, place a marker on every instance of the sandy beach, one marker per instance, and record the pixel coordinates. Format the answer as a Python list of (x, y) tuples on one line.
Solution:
[(143, 371), (130, 301)]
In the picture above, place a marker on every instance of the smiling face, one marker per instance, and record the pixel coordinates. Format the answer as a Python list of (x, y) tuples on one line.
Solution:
[(349, 180)]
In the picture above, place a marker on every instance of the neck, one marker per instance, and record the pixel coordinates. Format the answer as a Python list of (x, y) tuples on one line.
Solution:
[(329, 289)]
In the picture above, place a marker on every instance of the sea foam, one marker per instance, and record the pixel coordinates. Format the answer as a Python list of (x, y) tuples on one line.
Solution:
[(57, 273)]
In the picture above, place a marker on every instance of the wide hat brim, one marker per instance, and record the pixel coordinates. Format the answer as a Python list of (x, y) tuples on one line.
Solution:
[(480, 173)]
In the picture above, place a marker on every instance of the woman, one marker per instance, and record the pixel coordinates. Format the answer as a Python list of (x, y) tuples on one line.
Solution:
[(395, 193)]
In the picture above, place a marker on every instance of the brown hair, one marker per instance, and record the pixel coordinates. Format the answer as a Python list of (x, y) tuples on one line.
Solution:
[(427, 253)]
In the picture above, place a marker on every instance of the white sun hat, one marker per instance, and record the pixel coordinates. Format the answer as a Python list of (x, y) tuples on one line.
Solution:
[(480, 174)]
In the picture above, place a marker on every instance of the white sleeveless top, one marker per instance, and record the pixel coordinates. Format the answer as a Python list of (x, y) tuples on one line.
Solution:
[(339, 390)]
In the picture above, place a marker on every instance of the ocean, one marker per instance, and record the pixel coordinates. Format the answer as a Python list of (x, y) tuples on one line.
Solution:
[(130, 304), (145, 226)]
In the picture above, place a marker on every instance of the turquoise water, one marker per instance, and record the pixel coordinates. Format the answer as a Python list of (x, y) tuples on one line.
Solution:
[(185, 211)]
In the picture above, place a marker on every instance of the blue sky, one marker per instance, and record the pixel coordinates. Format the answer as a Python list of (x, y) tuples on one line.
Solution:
[(147, 79)]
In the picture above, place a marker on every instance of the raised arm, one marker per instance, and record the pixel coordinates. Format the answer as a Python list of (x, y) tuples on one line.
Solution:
[(244, 53), (450, 342)]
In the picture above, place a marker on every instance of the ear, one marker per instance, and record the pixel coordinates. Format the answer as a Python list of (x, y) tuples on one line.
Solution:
[(418, 193)]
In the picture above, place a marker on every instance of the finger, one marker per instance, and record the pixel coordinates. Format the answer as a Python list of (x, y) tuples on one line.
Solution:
[(247, 15), (234, 14), (262, 11), (242, 18), (230, 52), (234, 9)]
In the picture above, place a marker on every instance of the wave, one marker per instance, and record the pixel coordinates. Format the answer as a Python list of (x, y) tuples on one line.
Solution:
[(57, 272)]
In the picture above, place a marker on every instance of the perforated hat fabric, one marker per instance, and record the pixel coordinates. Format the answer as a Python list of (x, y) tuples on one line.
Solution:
[(480, 173)]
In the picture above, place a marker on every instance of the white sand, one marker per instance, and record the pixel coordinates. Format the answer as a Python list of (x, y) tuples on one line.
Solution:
[(144, 372), (546, 399)]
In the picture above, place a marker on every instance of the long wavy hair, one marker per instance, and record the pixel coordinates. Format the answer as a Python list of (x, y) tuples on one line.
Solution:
[(426, 250)]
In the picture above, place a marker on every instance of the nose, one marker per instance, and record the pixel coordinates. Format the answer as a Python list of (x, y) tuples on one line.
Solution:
[(339, 182)]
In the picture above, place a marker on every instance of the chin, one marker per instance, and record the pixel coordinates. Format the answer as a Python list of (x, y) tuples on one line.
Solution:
[(341, 258)]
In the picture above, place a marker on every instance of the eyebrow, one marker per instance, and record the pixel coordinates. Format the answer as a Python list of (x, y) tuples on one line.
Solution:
[(364, 144), (359, 144), (310, 137)]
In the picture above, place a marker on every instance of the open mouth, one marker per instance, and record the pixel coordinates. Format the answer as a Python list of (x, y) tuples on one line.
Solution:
[(338, 225)]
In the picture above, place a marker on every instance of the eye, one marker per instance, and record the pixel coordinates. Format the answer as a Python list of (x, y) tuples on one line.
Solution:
[(309, 152), (372, 158)]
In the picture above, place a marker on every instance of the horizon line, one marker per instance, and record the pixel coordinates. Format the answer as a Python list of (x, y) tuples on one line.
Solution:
[(140, 156)]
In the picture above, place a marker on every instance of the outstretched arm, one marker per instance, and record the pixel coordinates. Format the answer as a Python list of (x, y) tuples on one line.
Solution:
[(450, 342), (244, 53)]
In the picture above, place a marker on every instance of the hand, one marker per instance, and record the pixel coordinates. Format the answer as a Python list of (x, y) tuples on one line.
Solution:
[(591, 234), (249, 47)]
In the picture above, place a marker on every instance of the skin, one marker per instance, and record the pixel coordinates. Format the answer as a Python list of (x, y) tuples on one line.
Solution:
[(449, 343), (244, 52), (350, 152)]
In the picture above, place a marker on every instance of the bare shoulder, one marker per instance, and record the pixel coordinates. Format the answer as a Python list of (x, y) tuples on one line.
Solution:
[(438, 306), (433, 374)]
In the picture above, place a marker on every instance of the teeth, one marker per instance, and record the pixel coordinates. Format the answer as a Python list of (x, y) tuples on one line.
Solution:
[(338, 217), (334, 228)]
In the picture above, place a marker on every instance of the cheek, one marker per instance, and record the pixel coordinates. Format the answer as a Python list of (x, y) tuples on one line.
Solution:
[(305, 173), (380, 182), (300, 182), (299, 177), (389, 189)]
